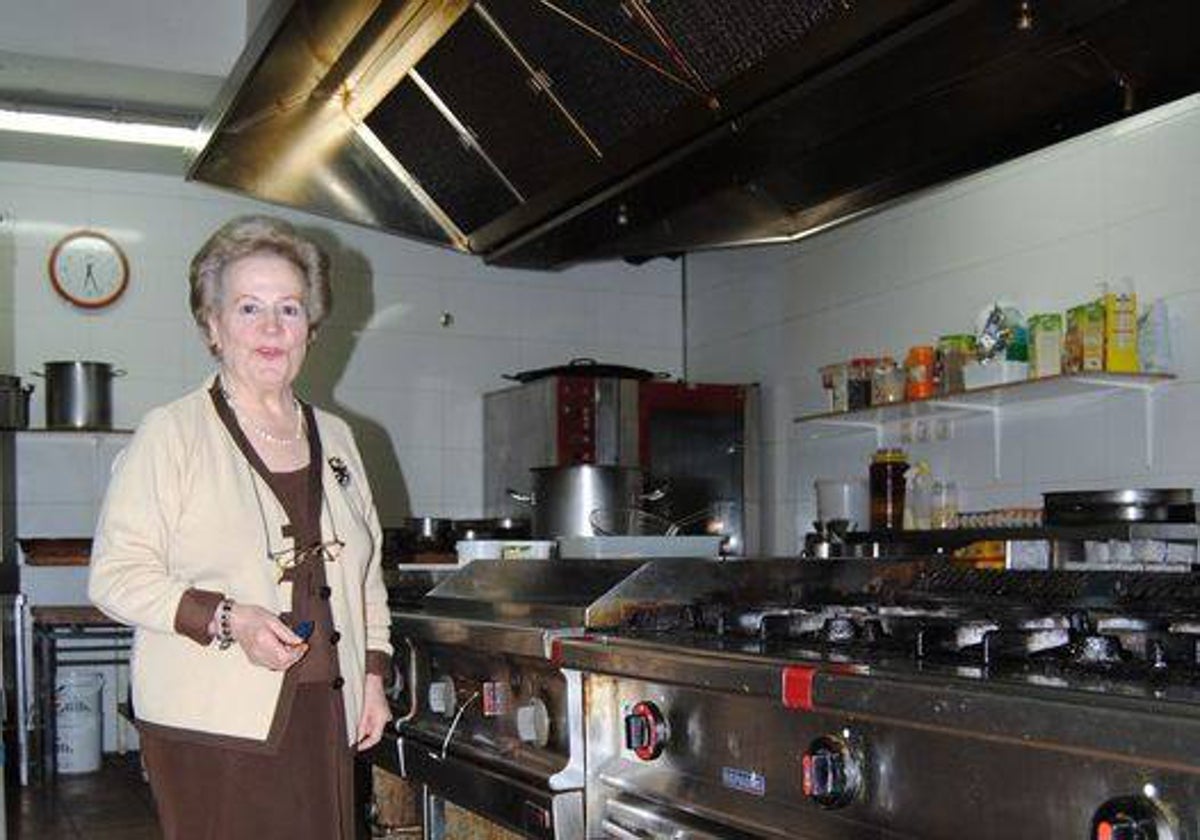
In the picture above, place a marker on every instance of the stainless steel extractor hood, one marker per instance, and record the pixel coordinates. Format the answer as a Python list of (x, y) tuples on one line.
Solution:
[(546, 132)]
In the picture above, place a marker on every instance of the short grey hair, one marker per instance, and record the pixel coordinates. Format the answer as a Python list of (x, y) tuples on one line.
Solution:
[(248, 236)]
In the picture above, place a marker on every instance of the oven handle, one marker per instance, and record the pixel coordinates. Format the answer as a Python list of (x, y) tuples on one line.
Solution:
[(616, 832), (631, 818), (413, 706)]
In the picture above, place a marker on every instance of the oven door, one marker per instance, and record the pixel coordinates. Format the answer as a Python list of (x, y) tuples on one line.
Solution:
[(628, 817), (461, 794)]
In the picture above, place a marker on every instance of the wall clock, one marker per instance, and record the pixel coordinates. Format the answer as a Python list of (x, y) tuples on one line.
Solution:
[(89, 269)]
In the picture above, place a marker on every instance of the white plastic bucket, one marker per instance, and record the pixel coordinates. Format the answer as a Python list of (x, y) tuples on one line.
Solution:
[(79, 736)]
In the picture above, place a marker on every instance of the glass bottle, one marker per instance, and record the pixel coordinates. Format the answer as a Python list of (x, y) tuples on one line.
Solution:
[(888, 468)]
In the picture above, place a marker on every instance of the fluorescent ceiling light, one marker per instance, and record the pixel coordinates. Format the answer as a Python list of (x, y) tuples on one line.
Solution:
[(149, 134)]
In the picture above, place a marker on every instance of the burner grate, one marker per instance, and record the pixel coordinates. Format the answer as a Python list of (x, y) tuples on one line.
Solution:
[(1149, 590)]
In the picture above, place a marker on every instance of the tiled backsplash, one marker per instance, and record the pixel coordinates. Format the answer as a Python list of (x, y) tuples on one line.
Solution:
[(1040, 232), (410, 386)]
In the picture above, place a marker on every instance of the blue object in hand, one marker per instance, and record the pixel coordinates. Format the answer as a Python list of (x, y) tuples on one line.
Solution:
[(304, 629)]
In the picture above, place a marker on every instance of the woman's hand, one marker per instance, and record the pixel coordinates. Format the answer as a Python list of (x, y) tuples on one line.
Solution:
[(375, 713), (265, 639)]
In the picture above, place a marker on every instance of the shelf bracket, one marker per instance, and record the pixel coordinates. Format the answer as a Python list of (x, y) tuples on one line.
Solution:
[(1148, 390), (964, 407), (866, 425)]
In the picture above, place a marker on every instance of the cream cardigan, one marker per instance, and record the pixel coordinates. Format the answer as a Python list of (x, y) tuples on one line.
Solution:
[(185, 509)]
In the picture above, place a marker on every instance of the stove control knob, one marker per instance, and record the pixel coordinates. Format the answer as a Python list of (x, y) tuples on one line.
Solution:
[(831, 772), (533, 723), (1130, 818), (646, 731), (442, 699)]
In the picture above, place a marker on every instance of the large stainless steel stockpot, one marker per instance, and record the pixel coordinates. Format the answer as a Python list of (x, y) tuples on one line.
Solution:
[(14, 403), (79, 394), (564, 498)]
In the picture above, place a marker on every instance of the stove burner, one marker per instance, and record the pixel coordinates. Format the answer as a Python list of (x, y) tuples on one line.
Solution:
[(1095, 649), (839, 629), (994, 639)]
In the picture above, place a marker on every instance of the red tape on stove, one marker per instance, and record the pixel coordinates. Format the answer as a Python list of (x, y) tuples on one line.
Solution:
[(797, 682)]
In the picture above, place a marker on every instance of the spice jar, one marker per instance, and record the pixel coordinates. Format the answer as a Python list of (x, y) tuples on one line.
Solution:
[(953, 354), (888, 467), (836, 380), (859, 387), (887, 382), (944, 513), (919, 365)]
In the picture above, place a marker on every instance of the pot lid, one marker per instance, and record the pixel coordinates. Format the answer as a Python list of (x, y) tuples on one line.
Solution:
[(1131, 497), (588, 368)]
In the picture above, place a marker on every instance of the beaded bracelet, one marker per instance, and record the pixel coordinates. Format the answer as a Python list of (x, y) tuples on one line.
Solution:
[(224, 622)]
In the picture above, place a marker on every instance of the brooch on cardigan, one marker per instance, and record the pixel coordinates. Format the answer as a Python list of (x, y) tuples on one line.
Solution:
[(340, 471)]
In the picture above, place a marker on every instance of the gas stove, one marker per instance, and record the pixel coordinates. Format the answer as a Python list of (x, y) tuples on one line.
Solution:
[(858, 699), (493, 723)]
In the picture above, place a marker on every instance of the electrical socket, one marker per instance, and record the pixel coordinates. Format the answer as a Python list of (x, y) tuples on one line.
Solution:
[(921, 431), (943, 429)]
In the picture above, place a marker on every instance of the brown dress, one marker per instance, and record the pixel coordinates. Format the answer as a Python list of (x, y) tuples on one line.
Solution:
[(299, 784)]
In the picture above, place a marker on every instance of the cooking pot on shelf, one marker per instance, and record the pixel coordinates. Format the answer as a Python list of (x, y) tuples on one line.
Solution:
[(563, 498), (14, 403), (79, 394)]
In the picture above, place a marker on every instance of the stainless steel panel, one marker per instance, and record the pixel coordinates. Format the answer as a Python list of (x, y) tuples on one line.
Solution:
[(629, 818), (520, 431), (486, 731), (990, 709), (478, 635), (532, 811), (617, 421), (919, 781), (547, 593)]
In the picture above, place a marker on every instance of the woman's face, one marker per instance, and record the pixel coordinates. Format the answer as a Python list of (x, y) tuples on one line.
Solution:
[(261, 328)]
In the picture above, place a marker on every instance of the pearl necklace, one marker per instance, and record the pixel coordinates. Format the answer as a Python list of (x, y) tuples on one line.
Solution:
[(258, 430)]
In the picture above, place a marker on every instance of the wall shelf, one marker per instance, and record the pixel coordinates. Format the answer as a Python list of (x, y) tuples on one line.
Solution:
[(992, 401)]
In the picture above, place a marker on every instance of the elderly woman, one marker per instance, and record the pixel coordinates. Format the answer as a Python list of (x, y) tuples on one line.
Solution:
[(240, 539)]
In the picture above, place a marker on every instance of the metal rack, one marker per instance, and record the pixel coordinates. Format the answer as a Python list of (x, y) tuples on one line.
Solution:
[(52, 626)]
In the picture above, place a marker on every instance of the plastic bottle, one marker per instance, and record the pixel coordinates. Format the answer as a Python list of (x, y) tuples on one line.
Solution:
[(919, 510)]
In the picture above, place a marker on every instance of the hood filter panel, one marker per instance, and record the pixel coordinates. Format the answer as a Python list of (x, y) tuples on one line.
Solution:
[(611, 94), (724, 38), (430, 148), (488, 89)]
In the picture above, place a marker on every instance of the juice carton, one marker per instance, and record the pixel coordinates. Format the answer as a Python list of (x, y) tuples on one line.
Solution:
[(1085, 338), (1120, 330)]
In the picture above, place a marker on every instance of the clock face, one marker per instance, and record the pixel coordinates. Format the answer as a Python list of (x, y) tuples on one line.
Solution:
[(88, 269)]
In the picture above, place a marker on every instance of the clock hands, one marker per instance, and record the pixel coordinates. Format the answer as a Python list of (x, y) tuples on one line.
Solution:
[(89, 281)]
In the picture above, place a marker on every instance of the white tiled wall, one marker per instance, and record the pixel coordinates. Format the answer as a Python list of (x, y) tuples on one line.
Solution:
[(410, 387), (1040, 232)]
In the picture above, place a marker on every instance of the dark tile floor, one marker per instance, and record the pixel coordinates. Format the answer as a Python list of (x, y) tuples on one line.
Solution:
[(113, 803)]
